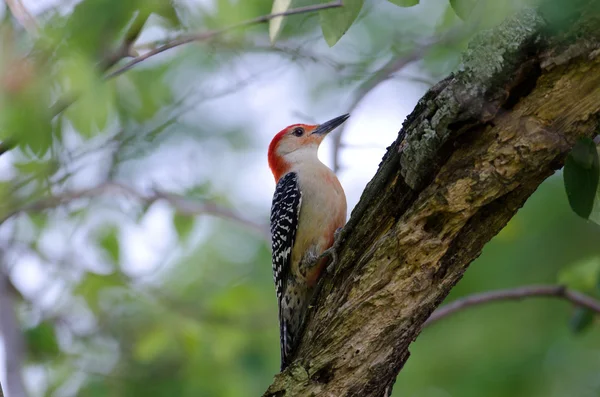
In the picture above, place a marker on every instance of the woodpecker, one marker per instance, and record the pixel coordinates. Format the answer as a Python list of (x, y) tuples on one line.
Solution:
[(309, 207)]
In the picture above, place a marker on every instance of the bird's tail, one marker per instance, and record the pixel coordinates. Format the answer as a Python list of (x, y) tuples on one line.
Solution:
[(292, 310)]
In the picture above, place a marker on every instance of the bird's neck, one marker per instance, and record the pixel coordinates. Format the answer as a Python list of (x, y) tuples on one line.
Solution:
[(295, 161)]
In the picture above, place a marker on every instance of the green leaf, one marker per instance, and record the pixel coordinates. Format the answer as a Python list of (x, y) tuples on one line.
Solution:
[(189, 334), (94, 26), (463, 8), (40, 138), (89, 114), (335, 22), (151, 344), (595, 215), (276, 24), (582, 276), (440, 60), (230, 12), (581, 320), (39, 219), (109, 241), (93, 284), (448, 20), (169, 13), (41, 341), (38, 169), (95, 388), (183, 224), (404, 3), (581, 174), (27, 120), (143, 92)]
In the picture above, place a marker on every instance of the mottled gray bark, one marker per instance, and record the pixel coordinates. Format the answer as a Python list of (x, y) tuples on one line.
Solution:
[(476, 146)]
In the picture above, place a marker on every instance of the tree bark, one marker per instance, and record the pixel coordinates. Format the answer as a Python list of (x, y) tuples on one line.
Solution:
[(477, 145)]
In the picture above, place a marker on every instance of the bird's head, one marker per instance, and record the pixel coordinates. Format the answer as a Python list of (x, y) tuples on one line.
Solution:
[(298, 143)]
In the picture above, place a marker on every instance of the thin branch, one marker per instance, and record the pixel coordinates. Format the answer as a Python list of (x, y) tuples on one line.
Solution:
[(22, 15), (182, 204), (126, 48), (14, 346), (540, 291), (204, 36)]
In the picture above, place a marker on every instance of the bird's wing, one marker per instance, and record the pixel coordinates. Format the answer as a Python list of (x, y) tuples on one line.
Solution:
[(284, 223), (285, 212)]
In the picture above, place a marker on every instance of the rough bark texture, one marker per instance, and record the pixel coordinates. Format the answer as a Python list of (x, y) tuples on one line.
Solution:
[(474, 149)]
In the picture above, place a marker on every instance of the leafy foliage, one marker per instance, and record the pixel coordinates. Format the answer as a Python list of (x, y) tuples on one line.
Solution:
[(582, 276), (183, 224), (582, 174), (41, 341), (93, 285), (405, 3), (582, 319), (335, 22), (109, 241), (463, 7)]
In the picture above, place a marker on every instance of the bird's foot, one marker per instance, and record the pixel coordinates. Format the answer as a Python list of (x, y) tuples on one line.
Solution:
[(332, 251)]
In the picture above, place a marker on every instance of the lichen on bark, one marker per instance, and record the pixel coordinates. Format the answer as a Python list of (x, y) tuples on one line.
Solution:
[(475, 92)]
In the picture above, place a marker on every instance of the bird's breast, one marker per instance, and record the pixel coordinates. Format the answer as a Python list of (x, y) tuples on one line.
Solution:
[(322, 211)]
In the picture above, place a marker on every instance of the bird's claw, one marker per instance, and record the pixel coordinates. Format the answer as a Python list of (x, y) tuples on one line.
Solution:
[(336, 235), (332, 251)]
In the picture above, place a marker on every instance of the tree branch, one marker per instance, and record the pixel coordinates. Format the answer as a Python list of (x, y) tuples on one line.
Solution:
[(13, 340), (476, 146), (533, 291), (182, 204), (126, 48), (204, 36)]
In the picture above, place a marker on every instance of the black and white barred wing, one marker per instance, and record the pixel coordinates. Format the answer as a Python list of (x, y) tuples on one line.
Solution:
[(284, 223)]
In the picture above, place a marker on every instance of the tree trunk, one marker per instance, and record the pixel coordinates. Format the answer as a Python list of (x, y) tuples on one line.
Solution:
[(477, 145)]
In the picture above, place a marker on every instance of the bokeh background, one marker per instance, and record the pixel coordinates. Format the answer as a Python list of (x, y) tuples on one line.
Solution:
[(133, 227)]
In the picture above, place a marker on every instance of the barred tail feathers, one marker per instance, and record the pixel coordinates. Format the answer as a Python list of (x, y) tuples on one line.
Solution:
[(292, 310)]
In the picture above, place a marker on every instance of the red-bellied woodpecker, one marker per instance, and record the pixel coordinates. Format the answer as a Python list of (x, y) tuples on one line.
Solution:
[(309, 206)]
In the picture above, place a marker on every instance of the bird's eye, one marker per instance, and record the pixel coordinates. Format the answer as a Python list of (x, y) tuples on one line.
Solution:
[(298, 131)]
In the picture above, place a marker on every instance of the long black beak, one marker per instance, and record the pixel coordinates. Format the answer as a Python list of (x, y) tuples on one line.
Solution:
[(330, 125)]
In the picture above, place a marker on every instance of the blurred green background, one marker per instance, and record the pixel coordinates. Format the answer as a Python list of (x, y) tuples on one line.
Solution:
[(135, 206)]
